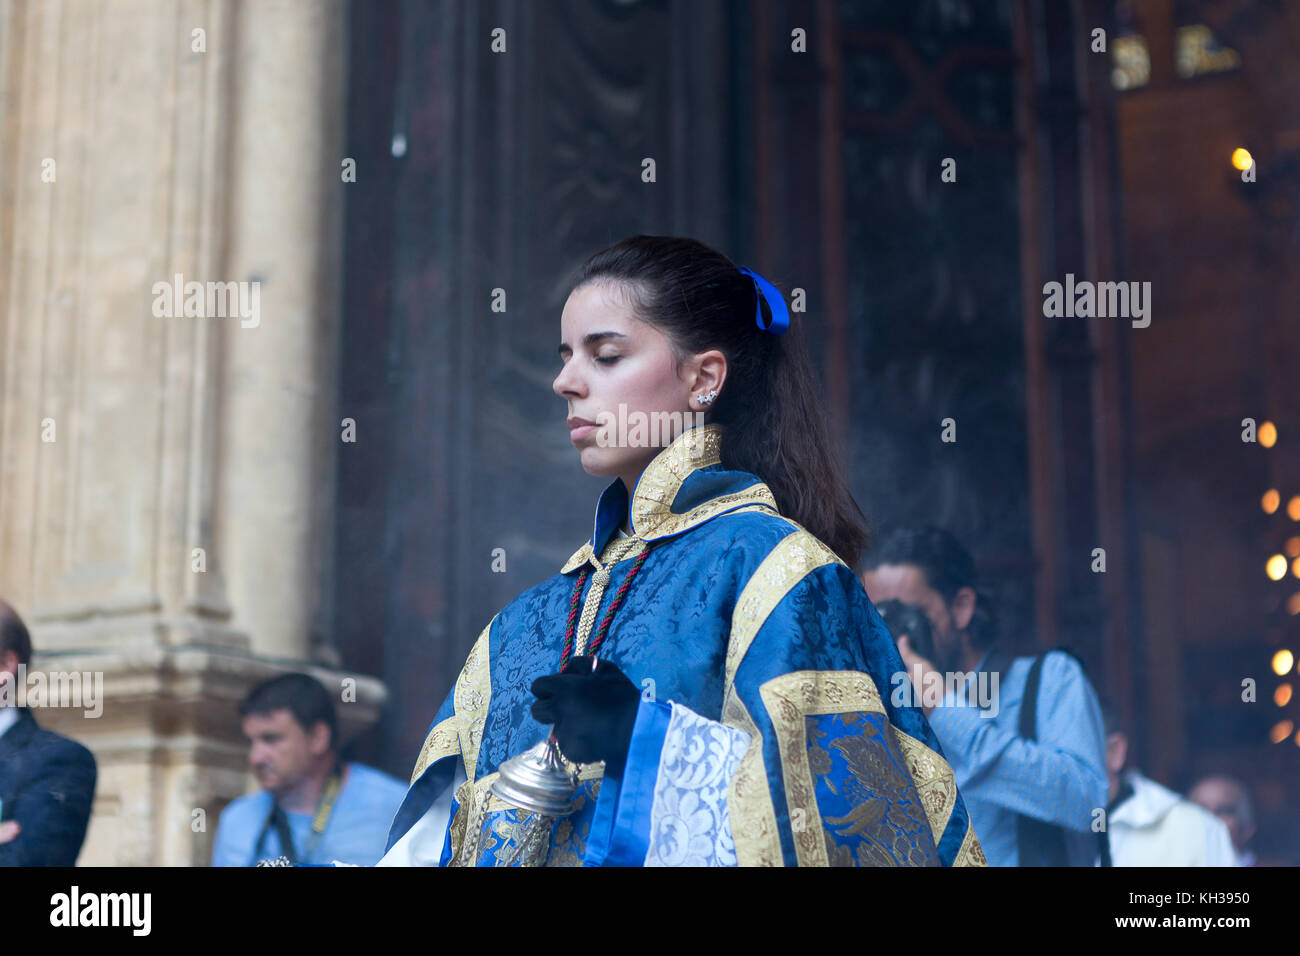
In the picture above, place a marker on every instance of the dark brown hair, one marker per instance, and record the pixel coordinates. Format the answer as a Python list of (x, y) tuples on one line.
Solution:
[(13, 635), (948, 567), (302, 695), (772, 416)]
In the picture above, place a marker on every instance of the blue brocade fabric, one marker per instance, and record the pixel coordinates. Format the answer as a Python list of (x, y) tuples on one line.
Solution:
[(742, 618)]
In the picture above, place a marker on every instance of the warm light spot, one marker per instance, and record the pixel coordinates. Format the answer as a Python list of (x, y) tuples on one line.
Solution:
[(1282, 696), (1281, 731), (1267, 434), (1295, 567), (1293, 508), (1276, 567), (1293, 604), (1132, 62), (1242, 159), (1292, 547), (1282, 662), (1270, 501)]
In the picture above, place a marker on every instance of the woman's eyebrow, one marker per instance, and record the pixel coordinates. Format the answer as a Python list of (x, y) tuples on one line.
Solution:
[(591, 338)]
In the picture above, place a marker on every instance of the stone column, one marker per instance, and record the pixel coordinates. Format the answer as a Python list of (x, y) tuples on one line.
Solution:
[(284, 150), (166, 482)]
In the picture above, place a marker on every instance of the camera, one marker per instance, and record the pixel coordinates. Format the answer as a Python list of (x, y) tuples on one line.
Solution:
[(908, 619)]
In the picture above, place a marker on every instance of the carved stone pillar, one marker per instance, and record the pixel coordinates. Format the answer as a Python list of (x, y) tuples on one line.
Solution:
[(166, 482)]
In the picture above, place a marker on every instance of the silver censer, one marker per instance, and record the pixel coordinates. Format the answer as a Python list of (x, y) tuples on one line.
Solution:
[(536, 781)]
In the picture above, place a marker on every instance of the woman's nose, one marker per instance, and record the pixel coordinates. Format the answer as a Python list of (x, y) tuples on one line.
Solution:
[(566, 383)]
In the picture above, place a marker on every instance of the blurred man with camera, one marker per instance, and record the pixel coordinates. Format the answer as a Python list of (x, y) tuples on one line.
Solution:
[(1030, 762)]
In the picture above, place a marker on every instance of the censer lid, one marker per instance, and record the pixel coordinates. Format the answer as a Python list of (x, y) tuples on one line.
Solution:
[(536, 781)]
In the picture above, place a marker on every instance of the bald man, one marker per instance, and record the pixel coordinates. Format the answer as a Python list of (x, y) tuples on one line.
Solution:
[(1229, 800)]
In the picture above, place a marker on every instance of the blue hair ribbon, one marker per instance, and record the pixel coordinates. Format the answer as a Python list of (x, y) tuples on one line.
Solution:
[(775, 304)]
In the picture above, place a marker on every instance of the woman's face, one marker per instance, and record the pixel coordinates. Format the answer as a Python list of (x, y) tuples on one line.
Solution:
[(626, 398)]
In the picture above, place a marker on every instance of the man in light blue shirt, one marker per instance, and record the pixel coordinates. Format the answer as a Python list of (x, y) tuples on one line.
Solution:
[(1040, 791), (314, 808)]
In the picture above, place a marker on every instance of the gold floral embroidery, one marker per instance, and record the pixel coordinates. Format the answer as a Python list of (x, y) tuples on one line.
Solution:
[(466, 810), (789, 700), (475, 831), (749, 798), (659, 483), (665, 523), (794, 557), (442, 741), (971, 853), (749, 802), (580, 557), (934, 779), (472, 696), (883, 814), (651, 507), (463, 732)]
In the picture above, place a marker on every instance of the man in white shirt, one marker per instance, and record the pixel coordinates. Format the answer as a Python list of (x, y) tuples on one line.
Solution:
[(1150, 825)]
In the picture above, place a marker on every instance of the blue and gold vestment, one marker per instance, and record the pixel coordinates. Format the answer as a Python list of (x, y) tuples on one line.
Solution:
[(765, 736)]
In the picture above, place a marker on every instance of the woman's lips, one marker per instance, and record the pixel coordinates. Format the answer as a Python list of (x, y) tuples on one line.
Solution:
[(579, 432)]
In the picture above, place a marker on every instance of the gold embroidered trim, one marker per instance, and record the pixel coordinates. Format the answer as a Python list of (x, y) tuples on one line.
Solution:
[(788, 699), (971, 853), (473, 694), (652, 514), (580, 557), (934, 779), (659, 483), (749, 801), (462, 732), (754, 507), (458, 825), (794, 557), (663, 523), (476, 803), (442, 741), (749, 797)]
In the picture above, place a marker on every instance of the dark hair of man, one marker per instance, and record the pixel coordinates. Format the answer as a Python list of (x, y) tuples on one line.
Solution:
[(13, 635), (948, 567), (300, 694)]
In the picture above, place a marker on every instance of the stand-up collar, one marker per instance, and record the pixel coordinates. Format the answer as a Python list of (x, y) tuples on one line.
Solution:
[(682, 487)]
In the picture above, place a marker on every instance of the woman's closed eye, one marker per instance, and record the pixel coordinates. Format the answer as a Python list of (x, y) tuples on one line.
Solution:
[(607, 359)]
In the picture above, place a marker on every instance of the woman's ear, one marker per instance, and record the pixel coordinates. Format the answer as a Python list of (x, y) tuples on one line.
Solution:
[(710, 372)]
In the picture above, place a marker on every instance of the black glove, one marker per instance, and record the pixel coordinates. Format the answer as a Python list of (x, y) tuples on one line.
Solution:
[(593, 713)]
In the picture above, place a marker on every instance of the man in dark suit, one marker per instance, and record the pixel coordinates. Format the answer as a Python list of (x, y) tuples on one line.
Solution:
[(47, 782)]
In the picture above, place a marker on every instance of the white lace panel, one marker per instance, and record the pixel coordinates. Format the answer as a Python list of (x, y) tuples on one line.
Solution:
[(689, 824)]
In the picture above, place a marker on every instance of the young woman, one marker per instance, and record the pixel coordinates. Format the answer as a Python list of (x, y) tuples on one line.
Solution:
[(707, 657)]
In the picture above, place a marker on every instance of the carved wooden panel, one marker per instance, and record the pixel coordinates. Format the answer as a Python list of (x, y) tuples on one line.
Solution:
[(933, 280), (513, 167)]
